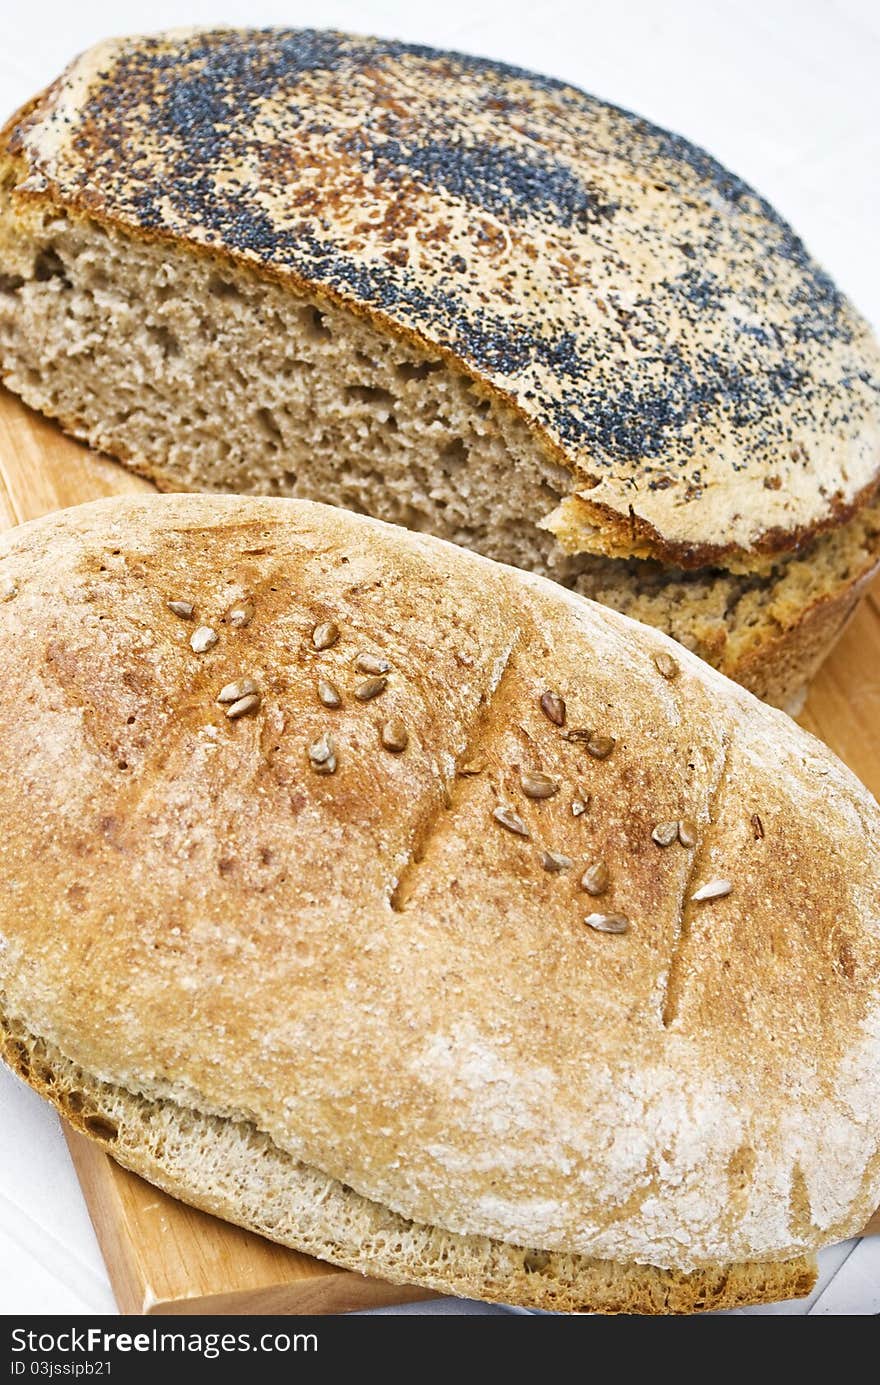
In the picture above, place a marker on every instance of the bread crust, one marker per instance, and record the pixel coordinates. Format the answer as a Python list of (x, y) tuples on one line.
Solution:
[(369, 965), (677, 468), (779, 655), (779, 668), (256, 1185)]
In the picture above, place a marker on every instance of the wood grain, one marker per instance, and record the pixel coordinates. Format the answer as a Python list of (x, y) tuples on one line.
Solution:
[(162, 1256), (42, 470), (843, 708)]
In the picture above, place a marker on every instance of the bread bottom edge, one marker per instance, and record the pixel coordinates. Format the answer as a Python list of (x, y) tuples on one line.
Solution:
[(235, 1172)]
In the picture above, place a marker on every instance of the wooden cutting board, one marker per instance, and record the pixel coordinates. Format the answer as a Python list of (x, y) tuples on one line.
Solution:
[(164, 1257)]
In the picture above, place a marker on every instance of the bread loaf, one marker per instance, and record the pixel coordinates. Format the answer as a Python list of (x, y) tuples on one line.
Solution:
[(456, 296), (426, 916)]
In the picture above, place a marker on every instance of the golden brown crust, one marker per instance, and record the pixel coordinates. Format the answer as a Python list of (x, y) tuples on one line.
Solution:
[(671, 377), (296, 1206), (370, 965), (633, 538)]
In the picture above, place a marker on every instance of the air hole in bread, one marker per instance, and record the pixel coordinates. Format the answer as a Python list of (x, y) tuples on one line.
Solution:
[(49, 265), (219, 287), (315, 325), (166, 341), (370, 394), (413, 370), (454, 454), (101, 1128), (18, 1057), (269, 425)]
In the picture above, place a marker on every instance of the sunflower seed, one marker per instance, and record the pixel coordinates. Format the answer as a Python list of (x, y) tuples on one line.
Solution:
[(665, 833), (185, 609), (535, 784), (322, 754), (600, 747), (553, 708), (321, 749), (666, 665), (579, 806), (328, 693), (471, 767), (714, 889), (371, 663), (325, 636), (370, 688), (233, 691), (757, 827), (395, 736), (554, 861), (246, 704), (607, 923), (578, 733), (204, 639), (241, 615), (509, 819), (595, 878), (687, 832)]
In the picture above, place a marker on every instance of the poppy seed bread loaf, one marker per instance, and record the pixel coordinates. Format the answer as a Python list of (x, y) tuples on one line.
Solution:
[(460, 297), (423, 915)]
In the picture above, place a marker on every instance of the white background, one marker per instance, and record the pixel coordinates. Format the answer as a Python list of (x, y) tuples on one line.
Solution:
[(785, 92)]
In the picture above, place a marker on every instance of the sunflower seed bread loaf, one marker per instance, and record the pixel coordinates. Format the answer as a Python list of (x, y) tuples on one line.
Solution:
[(426, 916), (456, 296)]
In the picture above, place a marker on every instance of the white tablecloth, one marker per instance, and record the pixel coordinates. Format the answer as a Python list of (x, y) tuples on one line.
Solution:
[(783, 91)]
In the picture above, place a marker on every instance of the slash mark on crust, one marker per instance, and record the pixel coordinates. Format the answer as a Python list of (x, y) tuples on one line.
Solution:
[(673, 984), (454, 789)]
